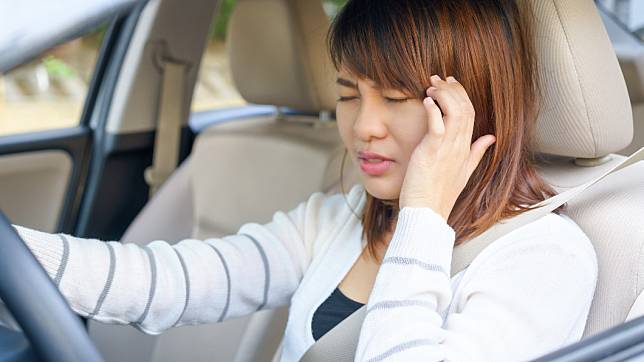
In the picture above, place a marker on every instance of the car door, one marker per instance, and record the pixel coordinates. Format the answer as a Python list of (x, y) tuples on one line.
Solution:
[(55, 69)]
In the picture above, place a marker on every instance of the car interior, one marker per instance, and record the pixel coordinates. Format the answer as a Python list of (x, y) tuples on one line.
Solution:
[(242, 168)]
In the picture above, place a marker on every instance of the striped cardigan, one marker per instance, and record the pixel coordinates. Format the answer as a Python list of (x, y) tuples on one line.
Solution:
[(528, 293)]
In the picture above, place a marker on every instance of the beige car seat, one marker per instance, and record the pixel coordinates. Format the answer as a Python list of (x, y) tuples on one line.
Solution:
[(244, 171), (587, 117)]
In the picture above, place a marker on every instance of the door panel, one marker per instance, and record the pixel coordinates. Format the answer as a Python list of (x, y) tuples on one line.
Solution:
[(42, 175), (46, 137)]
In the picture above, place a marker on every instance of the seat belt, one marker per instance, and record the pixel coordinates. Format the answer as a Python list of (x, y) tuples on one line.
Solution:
[(170, 111), (340, 343)]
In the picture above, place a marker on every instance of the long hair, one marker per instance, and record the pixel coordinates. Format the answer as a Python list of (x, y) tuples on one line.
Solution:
[(488, 45)]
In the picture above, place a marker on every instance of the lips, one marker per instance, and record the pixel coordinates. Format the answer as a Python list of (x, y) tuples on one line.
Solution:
[(374, 164), (367, 156)]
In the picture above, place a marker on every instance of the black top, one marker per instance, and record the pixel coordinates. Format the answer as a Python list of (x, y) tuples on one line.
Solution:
[(331, 312)]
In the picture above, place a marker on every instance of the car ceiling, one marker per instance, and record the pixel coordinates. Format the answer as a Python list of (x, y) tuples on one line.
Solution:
[(30, 27)]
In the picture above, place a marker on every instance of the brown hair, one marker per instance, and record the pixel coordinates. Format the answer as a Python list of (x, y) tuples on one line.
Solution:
[(488, 46)]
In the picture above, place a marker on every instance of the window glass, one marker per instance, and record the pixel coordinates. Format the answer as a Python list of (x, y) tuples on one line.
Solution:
[(215, 88), (629, 12), (331, 7), (49, 91)]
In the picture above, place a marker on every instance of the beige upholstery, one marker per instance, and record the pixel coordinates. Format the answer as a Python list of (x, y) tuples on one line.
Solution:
[(277, 55), (587, 114), (256, 164), (245, 170), (42, 176), (586, 111), (610, 213), (172, 211)]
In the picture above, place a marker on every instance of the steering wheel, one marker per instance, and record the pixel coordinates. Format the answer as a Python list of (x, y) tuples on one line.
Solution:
[(54, 330)]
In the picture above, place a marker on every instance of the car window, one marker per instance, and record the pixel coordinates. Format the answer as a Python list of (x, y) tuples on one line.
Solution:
[(215, 88), (629, 13), (49, 91), (331, 7)]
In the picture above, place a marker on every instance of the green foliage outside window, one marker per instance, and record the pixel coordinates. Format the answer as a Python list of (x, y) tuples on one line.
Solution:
[(218, 30)]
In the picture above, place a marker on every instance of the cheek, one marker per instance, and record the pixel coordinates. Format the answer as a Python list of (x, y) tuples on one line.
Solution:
[(345, 118), (410, 129)]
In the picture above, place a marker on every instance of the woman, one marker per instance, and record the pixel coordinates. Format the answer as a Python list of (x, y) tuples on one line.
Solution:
[(437, 103)]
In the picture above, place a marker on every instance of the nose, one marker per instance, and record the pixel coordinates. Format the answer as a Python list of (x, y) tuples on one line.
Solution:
[(370, 122)]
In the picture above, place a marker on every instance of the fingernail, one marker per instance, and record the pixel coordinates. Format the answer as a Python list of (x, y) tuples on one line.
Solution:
[(431, 89), (451, 79), (435, 77), (429, 100)]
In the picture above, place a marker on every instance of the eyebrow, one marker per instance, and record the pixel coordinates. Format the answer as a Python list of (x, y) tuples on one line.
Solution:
[(346, 83)]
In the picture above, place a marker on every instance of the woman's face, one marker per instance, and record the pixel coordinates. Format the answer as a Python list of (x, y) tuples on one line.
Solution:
[(382, 121)]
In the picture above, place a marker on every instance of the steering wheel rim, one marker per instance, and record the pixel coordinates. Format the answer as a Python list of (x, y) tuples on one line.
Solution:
[(53, 329)]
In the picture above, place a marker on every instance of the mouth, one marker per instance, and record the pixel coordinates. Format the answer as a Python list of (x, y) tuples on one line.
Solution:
[(366, 155), (375, 168), (374, 164)]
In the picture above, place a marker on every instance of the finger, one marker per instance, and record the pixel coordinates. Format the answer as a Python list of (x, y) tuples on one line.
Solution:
[(467, 108), (477, 151), (435, 124), (454, 90), (458, 87), (449, 105)]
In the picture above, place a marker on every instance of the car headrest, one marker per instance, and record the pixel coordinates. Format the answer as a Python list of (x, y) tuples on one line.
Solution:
[(278, 55), (586, 112)]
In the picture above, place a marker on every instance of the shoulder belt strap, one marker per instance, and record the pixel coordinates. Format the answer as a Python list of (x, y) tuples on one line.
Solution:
[(339, 344), (170, 111)]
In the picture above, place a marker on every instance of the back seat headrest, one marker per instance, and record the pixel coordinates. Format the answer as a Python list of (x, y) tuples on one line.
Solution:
[(586, 111), (277, 54)]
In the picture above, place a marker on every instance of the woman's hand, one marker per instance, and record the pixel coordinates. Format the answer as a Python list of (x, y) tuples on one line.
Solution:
[(444, 160)]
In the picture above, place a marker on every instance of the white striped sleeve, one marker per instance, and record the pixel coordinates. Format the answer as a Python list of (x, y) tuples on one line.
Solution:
[(160, 285)]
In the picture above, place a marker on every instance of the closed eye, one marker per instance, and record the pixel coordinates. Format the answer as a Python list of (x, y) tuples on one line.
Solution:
[(346, 99), (396, 100)]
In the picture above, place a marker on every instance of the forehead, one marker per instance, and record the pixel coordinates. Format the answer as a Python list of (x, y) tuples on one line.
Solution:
[(345, 75)]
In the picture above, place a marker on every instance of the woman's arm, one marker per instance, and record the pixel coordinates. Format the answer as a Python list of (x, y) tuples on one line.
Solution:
[(527, 294), (159, 285)]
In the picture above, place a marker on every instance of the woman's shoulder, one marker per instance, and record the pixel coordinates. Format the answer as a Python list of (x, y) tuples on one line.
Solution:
[(553, 238), (560, 230)]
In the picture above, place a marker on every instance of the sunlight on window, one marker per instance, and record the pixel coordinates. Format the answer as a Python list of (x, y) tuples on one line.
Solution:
[(215, 88), (49, 92)]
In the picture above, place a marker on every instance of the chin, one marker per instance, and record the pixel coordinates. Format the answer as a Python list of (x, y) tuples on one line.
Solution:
[(381, 188)]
